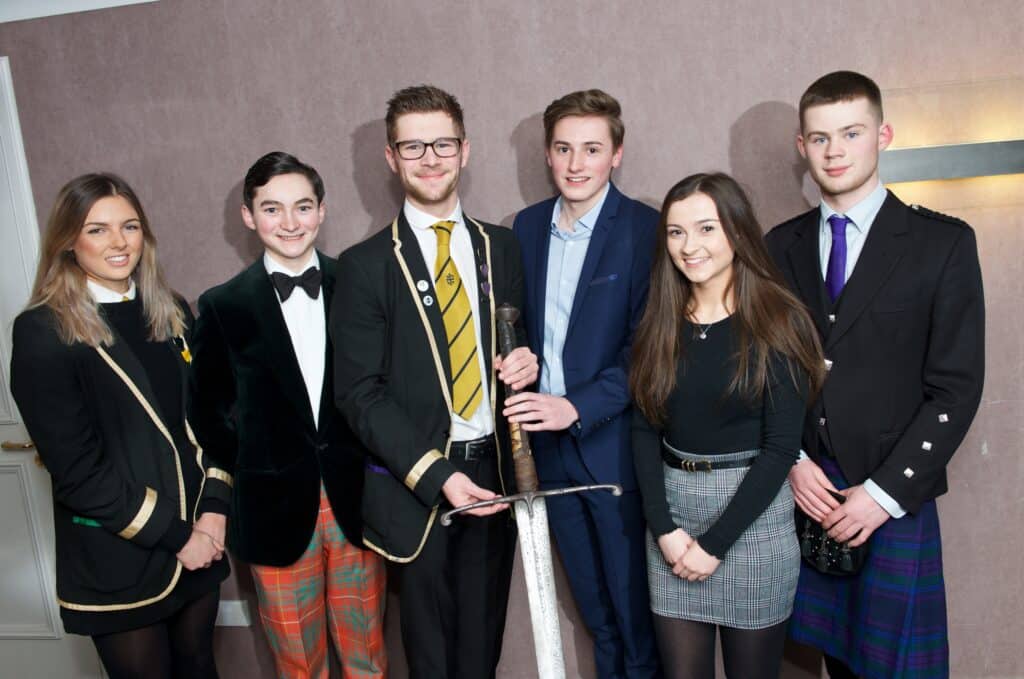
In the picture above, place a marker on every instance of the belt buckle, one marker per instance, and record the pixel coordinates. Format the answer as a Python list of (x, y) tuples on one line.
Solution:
[(705, 466), (689, 466)]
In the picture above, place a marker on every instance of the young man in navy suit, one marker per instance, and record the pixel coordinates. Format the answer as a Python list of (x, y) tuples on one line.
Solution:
[(586, 258), (896, 293), (263, 408)]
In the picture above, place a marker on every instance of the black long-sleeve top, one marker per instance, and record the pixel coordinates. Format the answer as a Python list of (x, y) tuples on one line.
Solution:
[(703, 418)]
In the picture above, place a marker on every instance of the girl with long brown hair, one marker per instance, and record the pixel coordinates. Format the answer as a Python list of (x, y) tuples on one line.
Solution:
[(99, 372), (723, 364)]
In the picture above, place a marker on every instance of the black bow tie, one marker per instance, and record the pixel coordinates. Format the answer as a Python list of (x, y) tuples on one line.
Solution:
[(308, 281)]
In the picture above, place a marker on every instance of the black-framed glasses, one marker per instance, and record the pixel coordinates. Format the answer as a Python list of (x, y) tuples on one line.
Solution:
[(414, 149)]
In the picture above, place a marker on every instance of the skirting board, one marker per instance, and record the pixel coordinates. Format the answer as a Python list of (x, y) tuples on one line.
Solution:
[(234, 613)]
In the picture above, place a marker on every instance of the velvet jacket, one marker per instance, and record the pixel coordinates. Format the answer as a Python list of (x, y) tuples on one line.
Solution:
[(251, 412)]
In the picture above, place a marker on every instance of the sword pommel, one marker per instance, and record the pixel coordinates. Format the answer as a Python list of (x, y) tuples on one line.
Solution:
[(507, 314)]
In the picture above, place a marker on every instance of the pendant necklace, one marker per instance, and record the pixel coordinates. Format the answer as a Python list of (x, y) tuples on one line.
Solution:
[(704, 330)]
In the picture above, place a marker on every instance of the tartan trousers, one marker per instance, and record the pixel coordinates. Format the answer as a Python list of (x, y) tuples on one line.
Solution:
[(334, 587)]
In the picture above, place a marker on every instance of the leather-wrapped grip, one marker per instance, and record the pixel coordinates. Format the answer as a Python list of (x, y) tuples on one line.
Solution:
[(522, 456)]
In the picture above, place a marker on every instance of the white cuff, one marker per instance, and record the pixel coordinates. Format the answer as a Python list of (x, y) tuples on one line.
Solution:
[(803, 456), (884, 499)]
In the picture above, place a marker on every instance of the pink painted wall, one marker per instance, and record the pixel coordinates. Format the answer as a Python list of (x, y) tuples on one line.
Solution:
[(180, 96)]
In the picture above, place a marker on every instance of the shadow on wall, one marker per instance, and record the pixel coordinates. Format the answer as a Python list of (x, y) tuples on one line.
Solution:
[(534, 178), (764, 159), (380, 192), (243, 241)]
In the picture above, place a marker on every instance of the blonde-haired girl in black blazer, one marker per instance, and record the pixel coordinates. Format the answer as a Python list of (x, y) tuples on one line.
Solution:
[(100, 374)]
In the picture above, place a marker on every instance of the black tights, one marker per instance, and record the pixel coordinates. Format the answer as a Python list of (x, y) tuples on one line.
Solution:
[(688, 649), (178, 647)]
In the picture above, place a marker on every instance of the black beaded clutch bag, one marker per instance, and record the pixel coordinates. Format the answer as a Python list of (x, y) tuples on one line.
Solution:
[(823, 553)]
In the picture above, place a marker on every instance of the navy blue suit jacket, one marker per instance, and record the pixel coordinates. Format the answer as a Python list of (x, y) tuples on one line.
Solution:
[(610, 298)]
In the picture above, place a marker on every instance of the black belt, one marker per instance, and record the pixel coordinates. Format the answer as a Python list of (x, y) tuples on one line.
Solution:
[(703, 465), (477, 449)]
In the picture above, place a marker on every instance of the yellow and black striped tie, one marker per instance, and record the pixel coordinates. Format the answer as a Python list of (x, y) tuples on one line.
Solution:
[(458, 325)]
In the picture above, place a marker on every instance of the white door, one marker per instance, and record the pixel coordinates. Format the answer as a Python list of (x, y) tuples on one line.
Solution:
[(32, 641)]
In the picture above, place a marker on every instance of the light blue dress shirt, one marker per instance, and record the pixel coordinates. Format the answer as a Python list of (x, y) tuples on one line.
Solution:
[(861, 216), (565, 262)]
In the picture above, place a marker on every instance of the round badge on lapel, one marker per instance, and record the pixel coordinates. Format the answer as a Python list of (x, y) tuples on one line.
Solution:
[(422, 285), (427, 300)]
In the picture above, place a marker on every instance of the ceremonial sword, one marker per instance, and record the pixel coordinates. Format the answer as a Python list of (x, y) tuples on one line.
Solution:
[(532, 521)]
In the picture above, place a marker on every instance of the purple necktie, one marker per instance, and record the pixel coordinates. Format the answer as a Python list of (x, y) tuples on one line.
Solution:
[(835, 276)]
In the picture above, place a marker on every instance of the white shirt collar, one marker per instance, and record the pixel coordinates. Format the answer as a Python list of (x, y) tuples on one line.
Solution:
[(418, 219), (863, 213), (102, 295), (272, 265)]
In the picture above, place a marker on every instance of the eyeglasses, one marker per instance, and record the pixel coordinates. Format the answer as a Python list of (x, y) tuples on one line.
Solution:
[(414, 149)]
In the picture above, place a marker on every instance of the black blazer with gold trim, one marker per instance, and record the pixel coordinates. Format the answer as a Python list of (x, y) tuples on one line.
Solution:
[(392, 380), (120, 474), (250, 410)]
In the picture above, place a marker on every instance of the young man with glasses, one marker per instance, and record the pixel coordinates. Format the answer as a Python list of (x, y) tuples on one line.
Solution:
[(414, 332)]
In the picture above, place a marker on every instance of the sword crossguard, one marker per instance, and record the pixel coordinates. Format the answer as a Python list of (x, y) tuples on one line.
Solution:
[(529, 497)]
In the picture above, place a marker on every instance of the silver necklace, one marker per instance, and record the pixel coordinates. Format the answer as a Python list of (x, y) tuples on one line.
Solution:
[(704, 330)]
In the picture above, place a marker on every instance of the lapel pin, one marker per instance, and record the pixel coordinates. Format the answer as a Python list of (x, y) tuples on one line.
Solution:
[(422, 285)]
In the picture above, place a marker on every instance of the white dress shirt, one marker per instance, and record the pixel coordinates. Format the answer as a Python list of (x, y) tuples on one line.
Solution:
[(102, 295), (481, 422), (307, 327)]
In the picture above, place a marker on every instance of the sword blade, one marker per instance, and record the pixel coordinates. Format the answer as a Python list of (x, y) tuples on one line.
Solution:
[(535, 548)]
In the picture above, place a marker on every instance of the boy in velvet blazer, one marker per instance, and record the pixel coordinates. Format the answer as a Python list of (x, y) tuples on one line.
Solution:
[(263, 408), (587, 260)]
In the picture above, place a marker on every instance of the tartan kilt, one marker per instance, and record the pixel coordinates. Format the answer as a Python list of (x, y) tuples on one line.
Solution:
[(888, 621), (754, 585)]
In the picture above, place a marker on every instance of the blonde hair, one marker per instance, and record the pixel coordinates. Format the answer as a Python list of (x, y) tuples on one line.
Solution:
[(60, 281)]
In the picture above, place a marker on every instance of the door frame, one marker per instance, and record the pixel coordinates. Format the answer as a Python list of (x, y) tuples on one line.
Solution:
[(18, 278)]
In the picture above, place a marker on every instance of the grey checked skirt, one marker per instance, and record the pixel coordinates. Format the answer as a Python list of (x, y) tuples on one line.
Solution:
[(755, 584)]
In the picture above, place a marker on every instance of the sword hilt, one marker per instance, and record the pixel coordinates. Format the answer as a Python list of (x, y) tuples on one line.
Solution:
[(528, 497), (522, 455)]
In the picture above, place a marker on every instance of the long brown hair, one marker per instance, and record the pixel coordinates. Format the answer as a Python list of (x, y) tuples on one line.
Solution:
[(60, 281), (767, 316)]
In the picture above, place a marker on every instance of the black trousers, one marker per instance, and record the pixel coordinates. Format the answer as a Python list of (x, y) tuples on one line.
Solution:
[(453, 596)]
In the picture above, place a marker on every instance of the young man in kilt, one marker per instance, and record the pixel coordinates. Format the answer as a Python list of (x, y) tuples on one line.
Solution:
[(896, 293)]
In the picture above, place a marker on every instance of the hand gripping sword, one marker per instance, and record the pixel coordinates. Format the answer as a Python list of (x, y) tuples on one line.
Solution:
[(532, 521)]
